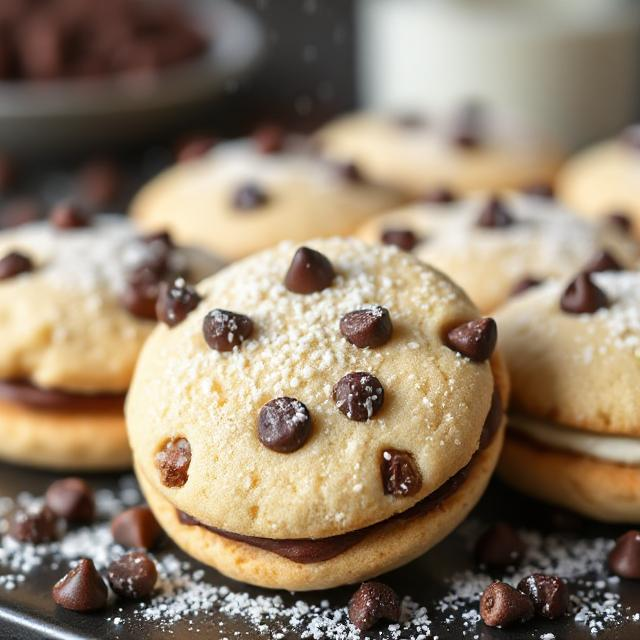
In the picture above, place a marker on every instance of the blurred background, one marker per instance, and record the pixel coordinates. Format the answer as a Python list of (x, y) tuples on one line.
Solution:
[(96, 96)]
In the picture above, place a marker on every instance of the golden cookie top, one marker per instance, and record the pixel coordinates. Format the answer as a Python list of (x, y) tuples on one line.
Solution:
[(301, 378)]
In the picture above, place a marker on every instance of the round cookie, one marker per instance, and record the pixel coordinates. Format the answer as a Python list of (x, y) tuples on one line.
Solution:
[(244, 196), (466, 151), (333, 377), (572, 352), (77, 300), (493, 247), (604, 179)]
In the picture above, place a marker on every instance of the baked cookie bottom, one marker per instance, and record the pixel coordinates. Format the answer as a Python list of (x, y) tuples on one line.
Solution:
[(388, 546), (63, 440), (597, 488)]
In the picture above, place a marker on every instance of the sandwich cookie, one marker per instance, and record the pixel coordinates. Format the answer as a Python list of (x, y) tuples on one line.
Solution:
[(78, 298), (495, 247), (325, 414), (573, 354)]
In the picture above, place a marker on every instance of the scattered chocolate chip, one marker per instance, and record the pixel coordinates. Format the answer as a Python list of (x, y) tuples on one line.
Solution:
[(372, 602), (173, 462), (136, 527), (404, 239), (602, 261), (494, 215), (492, 422), (34, 527), (71, 499), (440, 195), (369, 327), (541, 190), (583, 296), (13, 264), (501, 605), (549, 594), (162, 240), (82, 589), (469, 126), (67, 215), (141, 293), (133, 575), (195, 147), (624, 558), (350, 172), (358, 395), (284, 425), (175, 301), (101, 182), (475, 339), (310, 271), (269, 138), (224, 330), (525, 284), (400, 475), (621, 220), (249, 196), (562, 520), (499, 546)]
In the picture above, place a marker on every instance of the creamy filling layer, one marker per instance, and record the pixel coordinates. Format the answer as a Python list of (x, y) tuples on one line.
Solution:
[(620, 449)]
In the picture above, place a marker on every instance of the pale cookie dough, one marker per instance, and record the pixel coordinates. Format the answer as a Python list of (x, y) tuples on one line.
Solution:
[(543, 241)]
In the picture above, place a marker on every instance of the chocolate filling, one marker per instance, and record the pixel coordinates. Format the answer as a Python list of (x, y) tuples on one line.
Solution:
[(307, 550), (25, 393)]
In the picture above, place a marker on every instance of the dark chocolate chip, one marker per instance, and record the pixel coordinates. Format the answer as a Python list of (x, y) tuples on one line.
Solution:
[(175, 301), (468, 129), (269, 138), (501, 605), (372, 602), (34, 527), (67, 215), (13, 264), (404, 239), (224, 330), (358, 395), (440, 195), (133, 575), (400, 474), (494, 215), (602, 261), (583, 296), (369, 327), (310, 271), (136, 527), (499, 546), (82, 589), (71, 499), (173, 462), (621, 220), (249, 196), (541, 190), (350, 172), (492, 422), (284, 425), (549, 594), (475, 339), (161, 241), (624, 558), (140, 295), (525, 284), (195, 147)]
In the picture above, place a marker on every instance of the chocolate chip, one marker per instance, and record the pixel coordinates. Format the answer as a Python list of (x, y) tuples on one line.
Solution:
[(492, 422), (173, 462), (13, 264), (284, 425), (602, 261), (71, 499), (400, 475), (249, 196), (499, 546), (195, 147), (359, 395), (34, 527), (133, 575), (67, 215), (468, 126), (310, 271), (369, 327), (494, 215), (440, 195), (624, 558), (161, 241), (525, 284), (175, 301), (269, 138), (82, 589), (141, 293), (541, 190), (350, 172), (501, 605), (549, 594), (621, 220), (136, 527), (475, 339), (583, 296), (224, 330), (372, 602), (404, 239)]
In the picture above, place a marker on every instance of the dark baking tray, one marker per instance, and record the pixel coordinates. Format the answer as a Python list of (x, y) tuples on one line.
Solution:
[(27, 612)]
